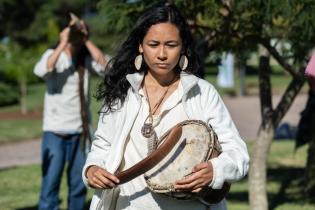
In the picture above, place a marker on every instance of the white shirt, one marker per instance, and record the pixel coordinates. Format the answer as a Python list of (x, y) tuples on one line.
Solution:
[(135, 194), (62, 111)]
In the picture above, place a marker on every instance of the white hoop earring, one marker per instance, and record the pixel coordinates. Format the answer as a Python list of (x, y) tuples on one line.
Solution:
[(138, 61), (183, 62)]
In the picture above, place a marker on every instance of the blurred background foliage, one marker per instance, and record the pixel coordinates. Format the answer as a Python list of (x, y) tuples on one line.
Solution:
[(231, 25), (28, 27)]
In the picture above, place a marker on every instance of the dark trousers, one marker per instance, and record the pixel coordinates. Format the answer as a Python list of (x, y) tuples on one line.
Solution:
[(58, 150)]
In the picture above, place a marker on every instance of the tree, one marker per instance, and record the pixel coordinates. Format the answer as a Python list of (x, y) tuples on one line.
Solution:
[(28, 27), (25, 21)]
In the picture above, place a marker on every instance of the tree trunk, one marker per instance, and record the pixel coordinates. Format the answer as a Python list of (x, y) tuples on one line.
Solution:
[(257, 173), (240, 68), (258, 169), (23, 92)]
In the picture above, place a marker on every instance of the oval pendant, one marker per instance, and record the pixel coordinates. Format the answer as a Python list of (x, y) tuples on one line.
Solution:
[(147, 130)]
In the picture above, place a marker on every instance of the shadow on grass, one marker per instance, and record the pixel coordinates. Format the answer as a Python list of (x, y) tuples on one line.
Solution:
[(28, 208), (86, 206), (291, 186), (290, 190)]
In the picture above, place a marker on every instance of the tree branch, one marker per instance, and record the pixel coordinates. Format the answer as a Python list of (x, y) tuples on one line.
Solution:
[(278, 57), (288, 97)]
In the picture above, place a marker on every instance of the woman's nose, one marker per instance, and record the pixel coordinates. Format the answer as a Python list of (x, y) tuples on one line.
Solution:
[(162, 54)]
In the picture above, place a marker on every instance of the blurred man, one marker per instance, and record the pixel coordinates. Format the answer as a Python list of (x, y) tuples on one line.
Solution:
[(66, 70)]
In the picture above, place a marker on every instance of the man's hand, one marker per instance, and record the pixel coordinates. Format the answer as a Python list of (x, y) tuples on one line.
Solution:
[(84, 28), (100, 178), (64, 36), (200, 177)]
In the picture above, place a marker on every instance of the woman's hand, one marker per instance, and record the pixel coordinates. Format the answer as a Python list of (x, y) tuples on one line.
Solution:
[(100, 178), (200, 177)]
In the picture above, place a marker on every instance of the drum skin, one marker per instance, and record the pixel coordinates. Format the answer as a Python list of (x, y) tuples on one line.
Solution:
[(198, 143)]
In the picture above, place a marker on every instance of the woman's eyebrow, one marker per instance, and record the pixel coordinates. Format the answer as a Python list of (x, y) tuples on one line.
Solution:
[(168, 41)]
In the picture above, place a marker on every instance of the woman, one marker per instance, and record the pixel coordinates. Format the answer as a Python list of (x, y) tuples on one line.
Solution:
[(150, 87)]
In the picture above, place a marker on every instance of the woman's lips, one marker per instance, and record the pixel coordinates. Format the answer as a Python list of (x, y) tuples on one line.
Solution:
[(162, 65)]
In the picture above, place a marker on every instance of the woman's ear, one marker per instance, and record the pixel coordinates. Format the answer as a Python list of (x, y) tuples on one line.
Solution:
[(182, 50), (140, 48)]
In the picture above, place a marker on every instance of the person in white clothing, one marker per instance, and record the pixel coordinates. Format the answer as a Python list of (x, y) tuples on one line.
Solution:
[(153, 73), (66, 71)]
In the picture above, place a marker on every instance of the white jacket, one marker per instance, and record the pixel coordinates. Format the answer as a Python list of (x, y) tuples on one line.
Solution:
[(201, 102)]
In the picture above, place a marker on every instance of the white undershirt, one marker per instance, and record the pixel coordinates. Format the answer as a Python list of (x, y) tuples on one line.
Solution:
[(135, 194)]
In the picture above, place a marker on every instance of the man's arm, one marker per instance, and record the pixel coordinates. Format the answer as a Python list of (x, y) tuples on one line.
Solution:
[(96, 53), (64, 37)]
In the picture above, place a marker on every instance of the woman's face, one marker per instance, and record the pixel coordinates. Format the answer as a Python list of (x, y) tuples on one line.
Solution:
[(161, 48)]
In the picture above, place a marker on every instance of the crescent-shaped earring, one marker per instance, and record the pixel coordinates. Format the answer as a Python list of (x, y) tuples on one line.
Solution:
[(138, 61), (183, 62)]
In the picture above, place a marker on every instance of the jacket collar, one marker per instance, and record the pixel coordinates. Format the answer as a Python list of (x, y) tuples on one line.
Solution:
[(188, 81), (135, 80)]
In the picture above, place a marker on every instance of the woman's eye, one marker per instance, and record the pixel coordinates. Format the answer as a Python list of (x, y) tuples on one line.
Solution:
[(172, 45), (153, 44)]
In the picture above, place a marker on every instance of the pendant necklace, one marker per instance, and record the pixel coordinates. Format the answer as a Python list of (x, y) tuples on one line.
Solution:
[(147, 128)]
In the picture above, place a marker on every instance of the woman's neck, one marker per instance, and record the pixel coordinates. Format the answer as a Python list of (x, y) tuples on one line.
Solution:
[(160, 80)]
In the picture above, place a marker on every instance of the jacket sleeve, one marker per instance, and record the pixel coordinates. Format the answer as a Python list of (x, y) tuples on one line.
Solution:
[(233, 163), (40, 68), (100, 145)]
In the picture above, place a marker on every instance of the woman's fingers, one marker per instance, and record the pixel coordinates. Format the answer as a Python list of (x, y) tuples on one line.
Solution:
[(188, 184), (107, 179), (198, 190), (201, 166), (111, 176), (100, 178), (95, 183), (188, 179), (200, 177)]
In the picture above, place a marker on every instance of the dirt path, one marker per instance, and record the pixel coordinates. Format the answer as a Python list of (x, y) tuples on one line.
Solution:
[(20, 153), (244, 111), (18, 115)]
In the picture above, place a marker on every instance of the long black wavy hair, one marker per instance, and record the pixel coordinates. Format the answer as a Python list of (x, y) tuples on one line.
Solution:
[(113, 90)]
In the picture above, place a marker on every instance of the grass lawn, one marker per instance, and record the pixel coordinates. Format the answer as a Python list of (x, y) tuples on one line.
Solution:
[(20, 186), (19, 129)]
